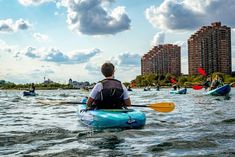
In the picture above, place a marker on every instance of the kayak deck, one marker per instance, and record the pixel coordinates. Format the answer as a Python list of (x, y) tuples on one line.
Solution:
[(220, 91), (181, 91), (111, 118), (28, 93)]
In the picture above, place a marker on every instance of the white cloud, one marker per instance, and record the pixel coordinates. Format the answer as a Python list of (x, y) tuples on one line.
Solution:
[(6, 47), (184, 65), (93, 69), (183, 47), (40, 37), (34, 75), (33, 2), (8, 25), (56, 56), (188, 14), (127, 66), (159, 38), (233, 36), (127, 60), (56, 13), (91, 18)]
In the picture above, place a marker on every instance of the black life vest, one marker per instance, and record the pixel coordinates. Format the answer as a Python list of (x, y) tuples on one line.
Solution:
[(111, 95)]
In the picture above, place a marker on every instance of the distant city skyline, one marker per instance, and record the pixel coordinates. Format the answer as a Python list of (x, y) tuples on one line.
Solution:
[(62, 39)]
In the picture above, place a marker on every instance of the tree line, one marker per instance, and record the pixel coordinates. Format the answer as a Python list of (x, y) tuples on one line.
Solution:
[(139, 81), (166, 80), (39, 86)]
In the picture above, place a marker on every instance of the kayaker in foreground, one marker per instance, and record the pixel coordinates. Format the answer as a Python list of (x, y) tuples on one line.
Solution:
[(108, 93)]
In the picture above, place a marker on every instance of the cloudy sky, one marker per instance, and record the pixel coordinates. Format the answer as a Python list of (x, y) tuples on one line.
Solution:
[(62, 39)]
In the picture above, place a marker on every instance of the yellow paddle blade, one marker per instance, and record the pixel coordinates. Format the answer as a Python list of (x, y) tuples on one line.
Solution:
[(162, 106)]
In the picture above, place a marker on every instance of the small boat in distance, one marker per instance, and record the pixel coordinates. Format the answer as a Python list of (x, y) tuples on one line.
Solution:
[(180, 91), (147, 89), (29, 93)]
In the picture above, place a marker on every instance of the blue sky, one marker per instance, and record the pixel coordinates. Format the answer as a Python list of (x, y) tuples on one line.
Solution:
[(62, 39)]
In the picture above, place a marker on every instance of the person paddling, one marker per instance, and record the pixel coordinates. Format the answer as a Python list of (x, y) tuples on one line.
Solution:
[(129, 88), (108, 93), (32, 88), (207, 84), (217, 82)]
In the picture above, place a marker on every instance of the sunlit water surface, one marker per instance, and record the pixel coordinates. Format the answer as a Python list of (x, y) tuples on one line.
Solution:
[(38, 126)]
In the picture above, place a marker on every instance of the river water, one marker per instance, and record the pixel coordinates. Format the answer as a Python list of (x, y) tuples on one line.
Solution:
[(38, 126)]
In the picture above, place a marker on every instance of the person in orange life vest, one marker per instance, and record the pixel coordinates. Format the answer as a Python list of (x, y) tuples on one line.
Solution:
[(108, 93)]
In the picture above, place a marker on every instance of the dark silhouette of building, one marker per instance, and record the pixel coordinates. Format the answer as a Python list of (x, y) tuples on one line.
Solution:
[(210, 48), (162, 59)]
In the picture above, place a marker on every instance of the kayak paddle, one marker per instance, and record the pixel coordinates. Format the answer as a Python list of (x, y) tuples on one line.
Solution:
[(160, 106), (231, 84), (197, 87), (201, 71), (173, 81)]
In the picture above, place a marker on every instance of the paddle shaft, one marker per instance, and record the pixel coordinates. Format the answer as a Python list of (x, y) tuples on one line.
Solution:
[(139, 105), (160, 107), (70, 102)]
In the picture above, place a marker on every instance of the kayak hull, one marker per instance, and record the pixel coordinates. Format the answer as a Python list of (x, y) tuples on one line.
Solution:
[(28, 93), (111, 118), (219, 91), (181, 91)]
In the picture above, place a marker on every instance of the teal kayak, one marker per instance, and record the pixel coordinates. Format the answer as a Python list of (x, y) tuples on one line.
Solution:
[(220, 91), (111, 118), (181, 91)]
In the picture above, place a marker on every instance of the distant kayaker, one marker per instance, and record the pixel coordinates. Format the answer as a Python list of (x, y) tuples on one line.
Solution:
[(129, 88), (157, 87), (147, 88), (207, 84), (216, 82), (108, 93), (178, 86), (32, 88), (174, 87)]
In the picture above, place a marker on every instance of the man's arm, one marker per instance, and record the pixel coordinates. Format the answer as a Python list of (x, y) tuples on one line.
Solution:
[(89, 102), (127, 102), (126, 98), (93, 94)]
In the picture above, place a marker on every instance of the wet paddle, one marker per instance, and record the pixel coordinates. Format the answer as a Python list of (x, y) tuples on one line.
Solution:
[(197, 87), (160, 106), (201, 71), (173, 81), (231, 84)]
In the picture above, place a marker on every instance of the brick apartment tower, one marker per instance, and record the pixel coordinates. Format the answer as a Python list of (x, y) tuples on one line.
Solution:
[(210, 48), (162, 59)]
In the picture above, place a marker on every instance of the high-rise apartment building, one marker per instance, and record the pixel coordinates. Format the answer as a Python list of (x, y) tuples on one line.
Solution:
[(162, 59), (210, 48)]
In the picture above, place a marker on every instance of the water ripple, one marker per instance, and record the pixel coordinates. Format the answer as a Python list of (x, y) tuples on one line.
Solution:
[(40, 126)]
